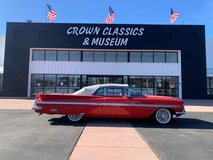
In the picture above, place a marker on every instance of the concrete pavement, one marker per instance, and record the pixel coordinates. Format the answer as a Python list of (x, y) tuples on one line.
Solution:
[(25, 135), (16, 103), (106, 141)]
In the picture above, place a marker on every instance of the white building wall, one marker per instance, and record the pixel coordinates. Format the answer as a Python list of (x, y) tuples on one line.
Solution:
[(209, 57), (2, 48), (105, 68)]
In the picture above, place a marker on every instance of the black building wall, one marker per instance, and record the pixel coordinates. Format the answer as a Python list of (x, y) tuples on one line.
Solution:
[(190, 39)]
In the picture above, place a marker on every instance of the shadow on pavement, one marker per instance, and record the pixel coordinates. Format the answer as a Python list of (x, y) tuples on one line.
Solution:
[(177, 123), (63, 121)]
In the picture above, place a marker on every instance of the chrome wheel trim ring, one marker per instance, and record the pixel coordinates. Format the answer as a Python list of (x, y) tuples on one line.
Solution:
[(74, 117), (163, 116)]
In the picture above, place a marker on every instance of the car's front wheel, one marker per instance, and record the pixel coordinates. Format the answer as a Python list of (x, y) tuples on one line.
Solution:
[(75, 117), (163, 116)]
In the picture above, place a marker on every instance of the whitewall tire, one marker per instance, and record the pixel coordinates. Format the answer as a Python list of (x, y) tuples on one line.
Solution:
[(163, 116), (75, 117)]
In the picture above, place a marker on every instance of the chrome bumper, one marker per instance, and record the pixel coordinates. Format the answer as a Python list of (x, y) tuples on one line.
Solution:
[(36, 108), (180, 112)]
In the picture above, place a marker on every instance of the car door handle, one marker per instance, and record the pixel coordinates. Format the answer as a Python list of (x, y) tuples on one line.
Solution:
[(106, 99)]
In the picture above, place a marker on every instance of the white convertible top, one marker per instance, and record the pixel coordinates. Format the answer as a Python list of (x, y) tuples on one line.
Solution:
[(91, 89)]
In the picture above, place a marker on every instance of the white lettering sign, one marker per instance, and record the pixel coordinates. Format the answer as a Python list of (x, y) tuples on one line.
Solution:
[(109, 35)]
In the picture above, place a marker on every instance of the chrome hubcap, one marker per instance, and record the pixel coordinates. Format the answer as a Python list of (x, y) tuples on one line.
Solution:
[(163, 116)]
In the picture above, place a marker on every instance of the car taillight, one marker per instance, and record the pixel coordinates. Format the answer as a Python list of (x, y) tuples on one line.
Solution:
[(39, 95)]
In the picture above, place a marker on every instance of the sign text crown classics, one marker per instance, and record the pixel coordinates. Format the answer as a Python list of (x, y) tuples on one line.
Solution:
[(107, 34)]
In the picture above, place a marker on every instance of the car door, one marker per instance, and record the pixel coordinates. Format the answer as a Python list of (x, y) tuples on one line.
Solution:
[(118, 104), (143, 104)]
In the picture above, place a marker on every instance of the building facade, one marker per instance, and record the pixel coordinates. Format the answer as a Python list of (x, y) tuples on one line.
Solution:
[(153, 59)]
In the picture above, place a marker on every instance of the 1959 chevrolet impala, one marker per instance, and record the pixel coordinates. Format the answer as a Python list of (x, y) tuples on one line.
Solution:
[(109, 100)]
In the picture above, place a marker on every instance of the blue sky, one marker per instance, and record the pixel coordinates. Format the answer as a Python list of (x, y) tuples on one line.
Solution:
[(95, 11)]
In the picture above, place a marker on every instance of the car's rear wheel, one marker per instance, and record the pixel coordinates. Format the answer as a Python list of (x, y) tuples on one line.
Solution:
[(163, 116), (75, 117)]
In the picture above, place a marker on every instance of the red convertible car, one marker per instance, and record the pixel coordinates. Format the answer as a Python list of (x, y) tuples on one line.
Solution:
[(109, 100)]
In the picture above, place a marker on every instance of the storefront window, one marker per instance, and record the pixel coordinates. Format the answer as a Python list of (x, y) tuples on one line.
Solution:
[(122, 57), (105, 56), (111, 57), (171, 82), (88, 56), (74, 80), (55, 83), (62, 81), (38, 80), (135, 56), (148, 91), (172, 86), (84, 81), (61, 90), (135, 82), (75, 56), (125, 79), (147, 85), (37, 90), (51, 55), (49, 90), (118, 80), (147, 57), (210, 85), (92, 80), (1, 81), (159, 82), (147, 82), (63, 55), (49, 80), (171, 57), (95, 80), (159, 86), (159, 57), (37, 84), (99, 56), (38, 55)]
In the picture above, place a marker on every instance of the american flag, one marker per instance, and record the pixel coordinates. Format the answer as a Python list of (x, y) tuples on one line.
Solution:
[(174, 15), (51, 14), (111, 16)]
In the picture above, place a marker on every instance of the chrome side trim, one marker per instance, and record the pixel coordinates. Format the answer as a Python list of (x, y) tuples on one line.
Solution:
[(181, 112), (35, 107), (54, 110), (110, 104)]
